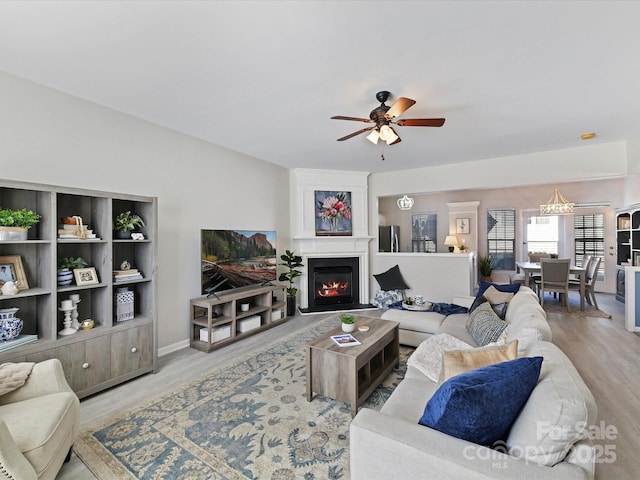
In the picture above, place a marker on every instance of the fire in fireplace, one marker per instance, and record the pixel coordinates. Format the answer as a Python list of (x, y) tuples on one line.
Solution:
[(333, 282)]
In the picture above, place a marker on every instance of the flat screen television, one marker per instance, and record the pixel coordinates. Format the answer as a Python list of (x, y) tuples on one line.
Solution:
[(236, 258)]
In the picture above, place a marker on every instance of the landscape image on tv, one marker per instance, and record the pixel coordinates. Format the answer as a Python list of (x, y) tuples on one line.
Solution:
[(237, 258)]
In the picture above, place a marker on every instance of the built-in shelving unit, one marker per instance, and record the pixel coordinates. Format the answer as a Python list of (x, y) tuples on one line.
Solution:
[(627, 244), (229, 316), (111, 352)]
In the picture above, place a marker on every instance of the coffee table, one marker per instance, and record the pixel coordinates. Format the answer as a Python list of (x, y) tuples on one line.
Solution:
[(350, 374)]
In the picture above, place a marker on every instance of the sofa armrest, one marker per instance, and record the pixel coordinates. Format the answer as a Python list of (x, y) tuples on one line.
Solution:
[(13, 464), (46, 377), (383, 447)]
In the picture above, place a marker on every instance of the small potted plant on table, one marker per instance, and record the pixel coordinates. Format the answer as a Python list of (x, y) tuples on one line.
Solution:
[(125, 223), (292, 262), (348, 322)]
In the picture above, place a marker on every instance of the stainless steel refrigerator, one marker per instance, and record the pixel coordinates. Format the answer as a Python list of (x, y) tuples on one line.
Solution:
[(389, 238)]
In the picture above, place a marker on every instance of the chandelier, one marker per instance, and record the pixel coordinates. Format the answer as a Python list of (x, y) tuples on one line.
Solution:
[(405, 203), (557, 205)]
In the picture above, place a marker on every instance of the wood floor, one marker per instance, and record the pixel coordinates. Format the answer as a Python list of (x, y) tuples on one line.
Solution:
[(606, 355)]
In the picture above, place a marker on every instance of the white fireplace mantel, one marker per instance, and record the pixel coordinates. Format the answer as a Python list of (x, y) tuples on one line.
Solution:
[(334, 247), (304, 183)]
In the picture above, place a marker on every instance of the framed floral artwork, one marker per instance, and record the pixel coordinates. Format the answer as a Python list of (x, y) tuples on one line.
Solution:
[(333, 213)]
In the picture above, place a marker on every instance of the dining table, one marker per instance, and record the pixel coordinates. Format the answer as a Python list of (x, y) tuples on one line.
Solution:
[(533, 268)]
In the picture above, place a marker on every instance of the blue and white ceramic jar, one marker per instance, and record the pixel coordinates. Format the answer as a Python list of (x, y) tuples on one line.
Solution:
[(65, 277), (10, 326)]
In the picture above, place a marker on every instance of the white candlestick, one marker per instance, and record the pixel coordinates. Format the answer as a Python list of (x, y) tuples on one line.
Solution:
[(67, 304), (74, 297)]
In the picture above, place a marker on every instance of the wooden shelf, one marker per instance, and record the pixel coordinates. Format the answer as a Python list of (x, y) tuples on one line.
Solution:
[(210, 313), (112, 352)]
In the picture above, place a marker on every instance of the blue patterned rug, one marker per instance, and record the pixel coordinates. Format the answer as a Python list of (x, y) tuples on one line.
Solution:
[(247, 420)]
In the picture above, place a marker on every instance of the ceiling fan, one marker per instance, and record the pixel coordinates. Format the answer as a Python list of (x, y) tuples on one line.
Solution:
[(383, 116)]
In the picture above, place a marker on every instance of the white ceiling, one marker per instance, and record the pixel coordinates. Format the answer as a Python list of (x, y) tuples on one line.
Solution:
[(264, 77)]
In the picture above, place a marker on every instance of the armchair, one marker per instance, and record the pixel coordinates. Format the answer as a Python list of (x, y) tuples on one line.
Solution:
[(38, 424)]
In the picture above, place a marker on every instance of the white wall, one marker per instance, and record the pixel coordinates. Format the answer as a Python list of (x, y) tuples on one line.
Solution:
[(632, 186), (53, 138)]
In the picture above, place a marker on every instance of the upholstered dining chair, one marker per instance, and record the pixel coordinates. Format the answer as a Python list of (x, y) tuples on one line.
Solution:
[(589, 281), (554, 277)]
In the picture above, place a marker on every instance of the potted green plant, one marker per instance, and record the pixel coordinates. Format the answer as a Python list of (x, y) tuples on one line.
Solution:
[(125, 223), (348, 322), (292, 262), (14, 224), (485, 266), (65, 269)]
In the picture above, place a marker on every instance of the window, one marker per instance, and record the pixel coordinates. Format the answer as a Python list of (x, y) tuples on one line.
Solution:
[(542, 234), (424, 232), (588, 231), (501, 237)]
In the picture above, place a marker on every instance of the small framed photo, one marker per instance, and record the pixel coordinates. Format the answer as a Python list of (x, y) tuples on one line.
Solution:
[(462, 225), (11, 270), (85, 276)]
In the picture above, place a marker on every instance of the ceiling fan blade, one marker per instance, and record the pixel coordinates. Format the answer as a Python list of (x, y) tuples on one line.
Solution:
[(401, 105), (355, 119), (421, 122), (347, 137)]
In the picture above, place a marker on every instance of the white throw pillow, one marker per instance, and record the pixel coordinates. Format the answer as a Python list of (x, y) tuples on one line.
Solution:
[(427, 358)]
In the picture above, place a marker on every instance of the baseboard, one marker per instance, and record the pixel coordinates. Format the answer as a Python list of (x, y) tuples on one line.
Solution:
[(173, 347)]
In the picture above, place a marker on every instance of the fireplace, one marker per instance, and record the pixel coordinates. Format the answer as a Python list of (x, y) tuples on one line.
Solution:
[(333, 283)]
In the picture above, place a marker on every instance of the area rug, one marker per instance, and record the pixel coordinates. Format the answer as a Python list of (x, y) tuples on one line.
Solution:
[(553, 305), (247, 420)]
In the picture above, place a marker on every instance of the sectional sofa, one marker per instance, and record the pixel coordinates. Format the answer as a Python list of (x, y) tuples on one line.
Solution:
[(547, 440)]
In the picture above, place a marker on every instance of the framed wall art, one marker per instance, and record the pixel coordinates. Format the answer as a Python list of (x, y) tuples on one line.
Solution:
[(462, 225), (11, 270), (333, 213), (85, 276)]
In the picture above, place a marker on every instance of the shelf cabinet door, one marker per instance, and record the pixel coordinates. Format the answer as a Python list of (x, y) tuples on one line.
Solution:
[(85, 364), (131, 350)]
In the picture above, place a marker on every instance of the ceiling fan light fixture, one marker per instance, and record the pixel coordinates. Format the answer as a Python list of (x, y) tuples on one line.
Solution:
[(386, 132), (392, 137), (373, 137), (557, 205)]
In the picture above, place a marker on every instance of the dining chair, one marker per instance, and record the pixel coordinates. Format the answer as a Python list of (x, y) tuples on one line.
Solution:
[(591, 276), (535, 257), (585, 264), (554, 277)]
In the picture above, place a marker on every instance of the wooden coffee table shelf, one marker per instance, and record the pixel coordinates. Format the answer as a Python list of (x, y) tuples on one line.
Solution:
[(351, 374)]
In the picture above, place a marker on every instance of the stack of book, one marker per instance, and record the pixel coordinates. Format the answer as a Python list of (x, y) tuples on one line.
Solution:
[(77, 232), (120, 276), (16, 342)]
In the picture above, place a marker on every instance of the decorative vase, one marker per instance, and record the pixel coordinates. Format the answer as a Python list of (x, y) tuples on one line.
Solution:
[(65, 277), (122, 235), (291, 306), (348, 327), (10, 326), (13, 234)]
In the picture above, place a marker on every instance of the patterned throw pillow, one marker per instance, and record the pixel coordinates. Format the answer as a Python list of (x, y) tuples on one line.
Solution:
[(498, 300), (485, 326)]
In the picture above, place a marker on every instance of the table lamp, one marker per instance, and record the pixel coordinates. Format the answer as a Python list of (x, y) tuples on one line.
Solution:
[(451, 241)]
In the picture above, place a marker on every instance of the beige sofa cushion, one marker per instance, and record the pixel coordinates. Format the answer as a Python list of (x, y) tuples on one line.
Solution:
[(41, 426), (557, 414), (456, 362)]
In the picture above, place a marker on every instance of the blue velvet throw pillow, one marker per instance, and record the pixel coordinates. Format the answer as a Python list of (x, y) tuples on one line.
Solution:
[(481, 405)]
